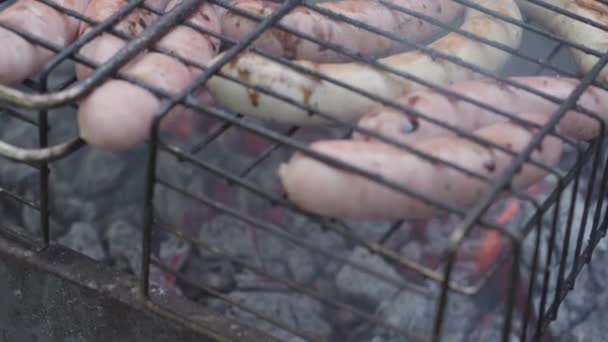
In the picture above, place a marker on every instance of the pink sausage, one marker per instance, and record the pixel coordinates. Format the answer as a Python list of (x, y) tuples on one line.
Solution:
[(324, 190), (408, 129), (338, 32), (119, 114), (20, 59)]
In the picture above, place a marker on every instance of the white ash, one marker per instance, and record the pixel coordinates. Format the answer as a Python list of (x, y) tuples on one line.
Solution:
[(84, 238)]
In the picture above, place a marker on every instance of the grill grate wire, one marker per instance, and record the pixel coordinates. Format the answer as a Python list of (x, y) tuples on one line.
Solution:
[(42, 97)]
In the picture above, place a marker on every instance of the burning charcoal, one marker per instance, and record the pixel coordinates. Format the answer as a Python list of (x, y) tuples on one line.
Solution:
[(355, 282), (84, 238), (298, 312), (414, 312), (161, 282), (124, 245), (174, 251)]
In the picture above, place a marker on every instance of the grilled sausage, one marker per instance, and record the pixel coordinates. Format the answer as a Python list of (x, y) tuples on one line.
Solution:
[(466, 116), (348, 105), (119, 114), (336, 31), (325, 190), (105, 45), (575, 30), (20, 59)]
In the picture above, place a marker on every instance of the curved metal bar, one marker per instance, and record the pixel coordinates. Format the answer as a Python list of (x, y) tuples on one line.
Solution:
[(52, 100), (40, 154)]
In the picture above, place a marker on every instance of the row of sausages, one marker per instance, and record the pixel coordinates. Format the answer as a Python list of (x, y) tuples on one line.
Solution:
[(117, 115)]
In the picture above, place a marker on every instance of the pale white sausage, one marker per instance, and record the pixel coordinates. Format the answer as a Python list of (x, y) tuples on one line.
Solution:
[(338, 32), (347, 105)]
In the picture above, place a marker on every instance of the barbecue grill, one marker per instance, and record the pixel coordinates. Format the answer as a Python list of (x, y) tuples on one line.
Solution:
[(271, 269)]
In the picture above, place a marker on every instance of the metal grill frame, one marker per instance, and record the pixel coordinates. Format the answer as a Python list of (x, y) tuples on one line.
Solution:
[(46, 98)]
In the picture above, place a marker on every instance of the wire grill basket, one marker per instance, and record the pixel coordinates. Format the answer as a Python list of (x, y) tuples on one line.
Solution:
[(560, 227)]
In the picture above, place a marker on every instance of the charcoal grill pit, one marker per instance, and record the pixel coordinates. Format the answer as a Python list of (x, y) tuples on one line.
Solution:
[(198, 221)]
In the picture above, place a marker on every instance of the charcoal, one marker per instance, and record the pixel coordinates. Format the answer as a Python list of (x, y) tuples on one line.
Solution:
[(162, 282), (353, 281), (209, 272), (597, 270), (412, 250), (173, 253), (239, 239), (68, 209), (15, 176), (267, 275), (124, 246), (84, 238), (414, 312), (100, 172), (327, 241), (490, 328), (367, 230), (298, 312), (594, 327), (302, 265), (578, 304), (31, 222)]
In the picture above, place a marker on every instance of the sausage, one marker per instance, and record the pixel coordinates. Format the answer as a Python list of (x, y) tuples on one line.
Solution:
[(325, 190), (336, 31), (118, 114), (20, 59), (574, 30), (347, 105), (104, 46), (395, 124)]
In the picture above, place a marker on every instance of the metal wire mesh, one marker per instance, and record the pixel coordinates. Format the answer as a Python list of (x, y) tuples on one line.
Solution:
[(283, 140)]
